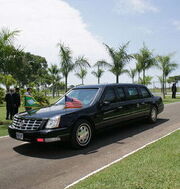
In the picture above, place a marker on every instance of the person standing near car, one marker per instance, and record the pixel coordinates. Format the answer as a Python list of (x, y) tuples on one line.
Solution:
[(174, 90), (16, 101), (9, 104), (26, 95)]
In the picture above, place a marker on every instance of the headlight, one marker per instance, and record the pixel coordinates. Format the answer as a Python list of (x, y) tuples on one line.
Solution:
[(53, 122)]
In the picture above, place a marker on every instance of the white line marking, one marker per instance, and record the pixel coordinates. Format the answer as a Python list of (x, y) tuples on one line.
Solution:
[(4, 136), (126, 155)]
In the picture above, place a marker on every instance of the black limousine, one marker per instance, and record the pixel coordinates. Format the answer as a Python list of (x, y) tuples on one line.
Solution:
[(85, 109)]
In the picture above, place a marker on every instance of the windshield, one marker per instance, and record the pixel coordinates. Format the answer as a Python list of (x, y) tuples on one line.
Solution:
[(86, 96)]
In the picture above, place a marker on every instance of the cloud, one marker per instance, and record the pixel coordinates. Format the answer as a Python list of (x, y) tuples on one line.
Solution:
[(176, 23), (44, 23), (135, 6)]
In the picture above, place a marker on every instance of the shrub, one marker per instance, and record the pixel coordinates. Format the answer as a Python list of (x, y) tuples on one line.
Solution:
[(2, 95), (41, 98)]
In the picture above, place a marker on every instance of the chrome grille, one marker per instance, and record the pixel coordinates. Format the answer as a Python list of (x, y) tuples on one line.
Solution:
[(26, 124)]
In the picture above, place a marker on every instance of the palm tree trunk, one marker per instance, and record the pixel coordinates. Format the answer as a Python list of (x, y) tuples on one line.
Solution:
[(117, 78), (144, 76), (82, 81), (138, 77), (53, 90), (163, 87), (98, 80), (65, 83)]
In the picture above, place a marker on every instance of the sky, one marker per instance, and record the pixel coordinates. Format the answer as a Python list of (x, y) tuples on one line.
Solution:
[(84, 25)]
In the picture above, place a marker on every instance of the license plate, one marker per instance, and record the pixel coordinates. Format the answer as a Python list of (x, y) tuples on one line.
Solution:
[(19, 136)]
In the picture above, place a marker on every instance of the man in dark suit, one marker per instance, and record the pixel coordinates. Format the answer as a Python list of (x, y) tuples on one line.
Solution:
[(16, 101), (9, 104), (174, 90)]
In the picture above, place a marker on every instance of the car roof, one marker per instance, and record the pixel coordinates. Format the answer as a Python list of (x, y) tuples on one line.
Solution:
[(106, 85)]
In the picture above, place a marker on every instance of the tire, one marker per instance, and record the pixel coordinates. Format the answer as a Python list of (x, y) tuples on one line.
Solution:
[(153, 115), (81, 134)]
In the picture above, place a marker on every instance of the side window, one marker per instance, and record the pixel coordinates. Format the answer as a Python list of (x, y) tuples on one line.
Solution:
[(132, 93), (109, 95), (145, 92), (121, 93)]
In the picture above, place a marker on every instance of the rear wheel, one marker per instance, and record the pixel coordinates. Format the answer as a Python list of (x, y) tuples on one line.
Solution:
[(153, 115), (81, 134)]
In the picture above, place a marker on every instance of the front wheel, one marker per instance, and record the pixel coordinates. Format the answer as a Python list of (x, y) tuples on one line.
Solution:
[(81, 134), (153, 115)]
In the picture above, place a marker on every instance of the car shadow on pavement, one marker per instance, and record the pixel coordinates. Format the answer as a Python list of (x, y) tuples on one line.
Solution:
[(63, 150)]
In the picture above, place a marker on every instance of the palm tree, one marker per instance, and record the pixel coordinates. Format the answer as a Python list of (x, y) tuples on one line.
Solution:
[(66, 63), (145, 60), (138, 66), (7, 50), (146, 81), (132, 72), (81, 74), (54, 77), (160, 78), (166, 66), (7, 37), (98, 74), (81, 64), (100, 71), (119, 59)]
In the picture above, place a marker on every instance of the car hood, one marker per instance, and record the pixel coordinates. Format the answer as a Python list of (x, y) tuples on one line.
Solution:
[(47, 112)]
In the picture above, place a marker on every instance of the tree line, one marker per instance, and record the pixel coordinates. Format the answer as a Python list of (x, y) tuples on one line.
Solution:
[(24, 69)]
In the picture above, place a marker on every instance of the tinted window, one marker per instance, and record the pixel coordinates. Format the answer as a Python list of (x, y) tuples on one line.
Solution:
[(145, 92), (121, 93), (109, 95), (132, 93)]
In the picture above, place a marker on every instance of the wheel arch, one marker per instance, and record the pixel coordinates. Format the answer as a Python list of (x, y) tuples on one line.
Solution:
[(88, 119)]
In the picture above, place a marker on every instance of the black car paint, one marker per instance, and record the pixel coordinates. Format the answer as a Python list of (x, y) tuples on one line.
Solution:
[(99, 114)]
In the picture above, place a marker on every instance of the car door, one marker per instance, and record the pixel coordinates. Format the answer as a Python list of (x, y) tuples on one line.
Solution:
[(109, 107), (145, 101), (122, 105), (133, 105)]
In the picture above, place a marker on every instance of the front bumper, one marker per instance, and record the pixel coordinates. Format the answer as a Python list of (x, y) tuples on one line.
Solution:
[(32, 136)]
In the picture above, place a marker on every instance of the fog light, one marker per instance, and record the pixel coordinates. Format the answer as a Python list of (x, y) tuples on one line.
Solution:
[(52, 139), (40, 139)]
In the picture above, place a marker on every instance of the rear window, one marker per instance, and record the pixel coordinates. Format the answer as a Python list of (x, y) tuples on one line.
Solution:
[(132, 93), (145, 93)]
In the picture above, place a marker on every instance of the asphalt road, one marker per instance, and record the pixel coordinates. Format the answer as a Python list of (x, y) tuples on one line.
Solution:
[(27, 166)]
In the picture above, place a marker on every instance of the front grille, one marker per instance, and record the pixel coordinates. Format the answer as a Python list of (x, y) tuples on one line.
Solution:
[(26, 124)]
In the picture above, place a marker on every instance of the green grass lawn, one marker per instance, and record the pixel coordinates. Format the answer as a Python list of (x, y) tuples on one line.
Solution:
[(168, 100), (155, 167)]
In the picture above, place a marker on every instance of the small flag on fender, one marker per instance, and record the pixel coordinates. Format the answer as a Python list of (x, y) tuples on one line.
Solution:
[(72, 103)]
